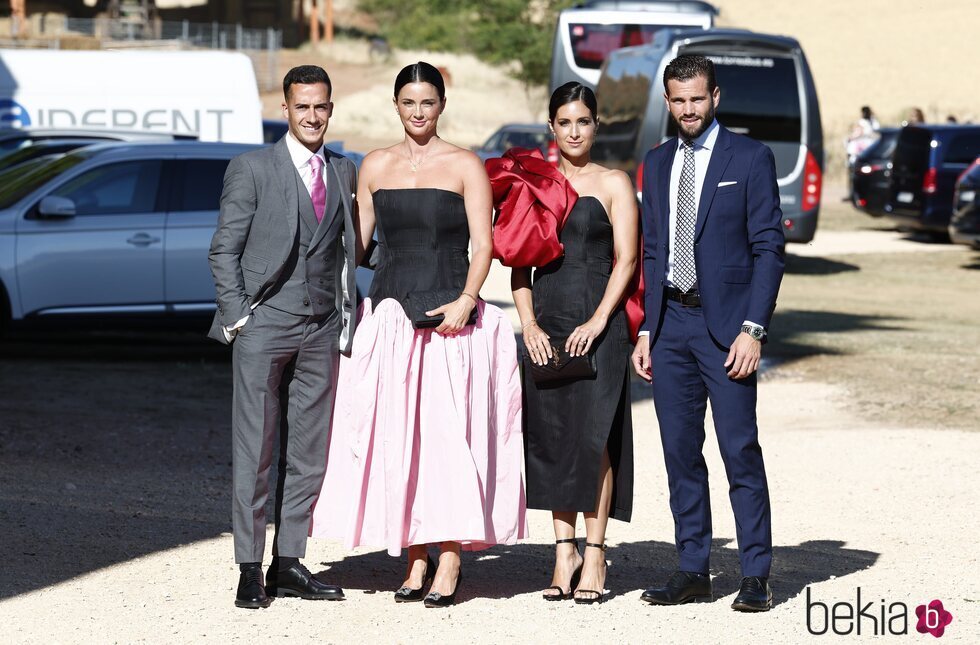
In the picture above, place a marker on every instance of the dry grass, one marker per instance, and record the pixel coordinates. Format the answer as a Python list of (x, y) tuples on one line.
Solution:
[(900, 331), (889, 54)]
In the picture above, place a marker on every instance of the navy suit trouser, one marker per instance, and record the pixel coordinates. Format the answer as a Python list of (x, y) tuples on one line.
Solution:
[(688, 370)]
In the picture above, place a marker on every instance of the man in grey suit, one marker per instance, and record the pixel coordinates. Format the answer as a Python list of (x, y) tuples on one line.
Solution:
[(283, 260)]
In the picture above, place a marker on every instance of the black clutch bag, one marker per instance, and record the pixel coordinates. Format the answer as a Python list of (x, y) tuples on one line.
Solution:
[(419, 302), (561, 366)]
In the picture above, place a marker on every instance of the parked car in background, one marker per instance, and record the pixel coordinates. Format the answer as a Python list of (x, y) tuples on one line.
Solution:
[(515, 135), (113, 232), (588, 32), (869, 174), (13, 139), (767, 93), (338, 147), (42, 149), (274, 129), (964, 226), (926, 163)]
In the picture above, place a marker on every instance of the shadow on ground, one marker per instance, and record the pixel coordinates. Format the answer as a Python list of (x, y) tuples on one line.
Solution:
[(183, 344), (502, 572), (112, 448), (800, 333), (805, 265)]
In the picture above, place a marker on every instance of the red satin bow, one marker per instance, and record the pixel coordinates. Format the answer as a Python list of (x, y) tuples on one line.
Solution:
[(533, 201)]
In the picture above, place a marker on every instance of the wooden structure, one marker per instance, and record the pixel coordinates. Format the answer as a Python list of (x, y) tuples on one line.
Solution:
[(289, 16)]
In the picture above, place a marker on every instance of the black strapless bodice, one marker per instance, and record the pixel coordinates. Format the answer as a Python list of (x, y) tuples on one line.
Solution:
[(423, 242), (568, 290)]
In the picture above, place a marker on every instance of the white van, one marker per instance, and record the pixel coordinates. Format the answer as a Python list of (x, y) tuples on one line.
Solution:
[(587, 33), (211, 94)]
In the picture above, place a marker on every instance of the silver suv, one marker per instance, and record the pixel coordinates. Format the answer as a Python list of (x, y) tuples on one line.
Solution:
[(110, 230), (12, 139)]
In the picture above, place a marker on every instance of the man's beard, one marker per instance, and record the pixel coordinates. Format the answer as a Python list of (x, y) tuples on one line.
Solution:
[(703, 125)]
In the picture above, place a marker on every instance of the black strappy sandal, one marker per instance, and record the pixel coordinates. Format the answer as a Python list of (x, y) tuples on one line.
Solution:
[(561, 595), (590, 600)]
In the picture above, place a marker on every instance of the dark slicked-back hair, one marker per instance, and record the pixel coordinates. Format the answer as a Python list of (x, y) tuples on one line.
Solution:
[(569, 93), (420, 72), (688, 66), (305, 75)]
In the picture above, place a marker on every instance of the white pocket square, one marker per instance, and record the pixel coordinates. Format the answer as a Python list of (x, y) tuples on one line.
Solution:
[(722, 184)]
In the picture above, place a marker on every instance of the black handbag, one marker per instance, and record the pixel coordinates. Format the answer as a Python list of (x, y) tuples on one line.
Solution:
[(419, 302), (561, 366)]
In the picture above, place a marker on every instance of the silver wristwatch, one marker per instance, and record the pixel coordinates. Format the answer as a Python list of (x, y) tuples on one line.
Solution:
[(758, 332)]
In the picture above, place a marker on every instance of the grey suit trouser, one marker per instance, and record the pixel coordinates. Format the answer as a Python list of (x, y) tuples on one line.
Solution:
[(285, 373)]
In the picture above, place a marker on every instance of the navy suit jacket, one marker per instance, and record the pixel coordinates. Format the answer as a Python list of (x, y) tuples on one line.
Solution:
[(738, 239)]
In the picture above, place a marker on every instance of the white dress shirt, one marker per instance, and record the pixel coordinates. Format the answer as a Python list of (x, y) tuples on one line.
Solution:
[(301, 157)]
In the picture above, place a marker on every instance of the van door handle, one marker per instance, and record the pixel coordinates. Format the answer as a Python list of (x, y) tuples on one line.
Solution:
[(143, 239)]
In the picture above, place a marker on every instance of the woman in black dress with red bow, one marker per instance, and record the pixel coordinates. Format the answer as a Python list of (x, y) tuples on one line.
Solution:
[(579, 445)]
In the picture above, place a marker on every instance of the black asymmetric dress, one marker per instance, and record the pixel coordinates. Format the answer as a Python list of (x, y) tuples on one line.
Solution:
[(568, 423)]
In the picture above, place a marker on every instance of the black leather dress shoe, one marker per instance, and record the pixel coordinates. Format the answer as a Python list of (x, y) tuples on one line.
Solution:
[(754, 594), (682, 587), (297, 581), (251, 591)]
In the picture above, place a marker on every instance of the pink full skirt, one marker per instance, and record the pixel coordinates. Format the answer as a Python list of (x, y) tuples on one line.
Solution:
[(426, 444)]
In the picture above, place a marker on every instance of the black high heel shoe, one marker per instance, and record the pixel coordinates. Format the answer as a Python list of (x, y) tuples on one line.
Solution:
[(435, 599), (561, 595), (407, 594), (589, 600)]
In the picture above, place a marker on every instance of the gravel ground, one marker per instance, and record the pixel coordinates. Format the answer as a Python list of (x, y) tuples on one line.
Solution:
[(114, 503)]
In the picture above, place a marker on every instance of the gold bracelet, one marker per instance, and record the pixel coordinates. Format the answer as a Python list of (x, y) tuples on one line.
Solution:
[(533, 321), (468, 296)]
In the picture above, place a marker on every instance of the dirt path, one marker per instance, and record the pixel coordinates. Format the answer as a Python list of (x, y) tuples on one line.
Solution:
[(139, 551), (114, 480)]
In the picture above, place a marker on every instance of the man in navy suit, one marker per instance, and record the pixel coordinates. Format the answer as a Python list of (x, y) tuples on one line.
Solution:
[(713, 261)]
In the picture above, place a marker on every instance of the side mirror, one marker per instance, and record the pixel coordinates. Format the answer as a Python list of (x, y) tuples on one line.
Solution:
[(54, 207)]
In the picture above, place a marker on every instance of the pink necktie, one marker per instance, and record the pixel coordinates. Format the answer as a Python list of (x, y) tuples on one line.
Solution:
[(318, 192)]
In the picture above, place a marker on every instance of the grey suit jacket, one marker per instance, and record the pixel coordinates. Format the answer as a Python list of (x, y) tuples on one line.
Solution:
[(257, 228)]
